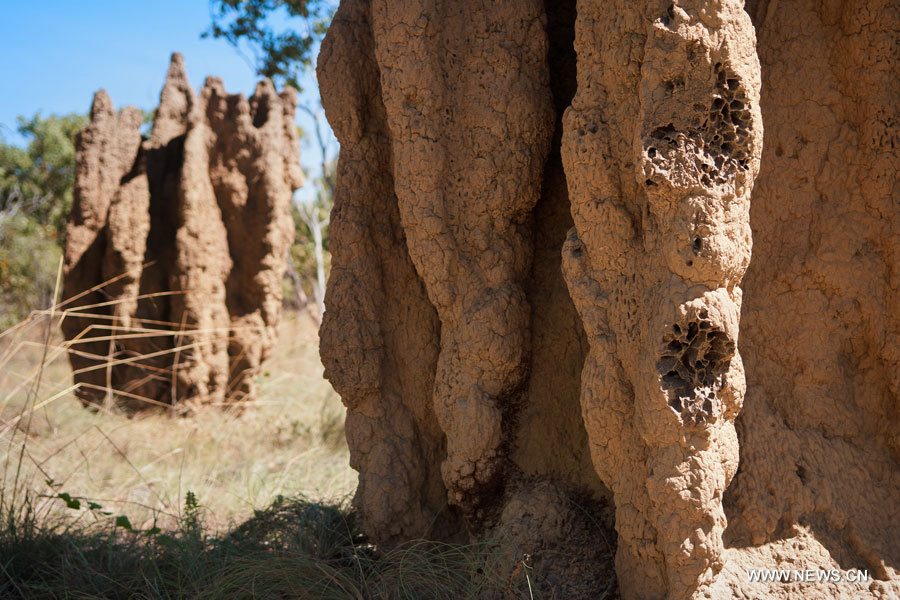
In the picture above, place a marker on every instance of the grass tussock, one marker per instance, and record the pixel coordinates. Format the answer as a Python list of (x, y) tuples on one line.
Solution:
[(293, 549), (107, 504)]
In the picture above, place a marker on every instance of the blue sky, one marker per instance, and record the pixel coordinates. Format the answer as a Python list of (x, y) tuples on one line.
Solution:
[(57, 53)]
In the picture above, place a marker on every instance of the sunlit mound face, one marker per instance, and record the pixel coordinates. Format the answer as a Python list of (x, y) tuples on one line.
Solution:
[(711, 146)]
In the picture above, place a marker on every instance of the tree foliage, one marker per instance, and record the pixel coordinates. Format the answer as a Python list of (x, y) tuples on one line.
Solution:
[(280, 53), (29, 257), (37, 179), (36, 182)]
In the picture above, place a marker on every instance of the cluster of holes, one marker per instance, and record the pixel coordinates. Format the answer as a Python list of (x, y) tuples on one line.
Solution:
[(726, 132), (674, 84), (722, 140), (692, 368), (696, 248)]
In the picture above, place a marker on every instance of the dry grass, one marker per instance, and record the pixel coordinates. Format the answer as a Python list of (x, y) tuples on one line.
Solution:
[(291, 441), (243, 501)]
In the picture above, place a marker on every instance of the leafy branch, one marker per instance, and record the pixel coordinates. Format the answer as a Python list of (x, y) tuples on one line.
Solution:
[(280, 54)]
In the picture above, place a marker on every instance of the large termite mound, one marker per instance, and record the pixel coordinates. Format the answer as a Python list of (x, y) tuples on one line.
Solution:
[(543, 304), (820, 429), (176, 244)]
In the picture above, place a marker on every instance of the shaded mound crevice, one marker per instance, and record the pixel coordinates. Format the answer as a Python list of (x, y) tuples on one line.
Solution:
[(455, 253)]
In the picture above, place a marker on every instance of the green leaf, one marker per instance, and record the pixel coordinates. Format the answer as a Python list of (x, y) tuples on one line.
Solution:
[(123, 522), (93, 505), (71, 502)]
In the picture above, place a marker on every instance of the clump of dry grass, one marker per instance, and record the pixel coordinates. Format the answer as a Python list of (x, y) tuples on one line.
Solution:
[(106, 504), (290, 441), (293, 549)]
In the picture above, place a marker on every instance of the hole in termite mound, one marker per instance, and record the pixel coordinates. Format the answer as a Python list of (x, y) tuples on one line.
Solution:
[(694, 359), (697, 244)]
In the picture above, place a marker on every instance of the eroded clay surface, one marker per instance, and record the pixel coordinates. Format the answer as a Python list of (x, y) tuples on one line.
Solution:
[(541, 300), (660, 154), (820, 428)]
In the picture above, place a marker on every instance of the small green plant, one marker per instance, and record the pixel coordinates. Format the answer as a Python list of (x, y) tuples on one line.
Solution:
[(192, 521)]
